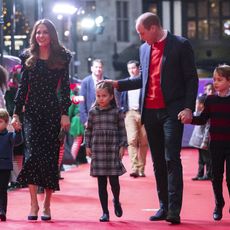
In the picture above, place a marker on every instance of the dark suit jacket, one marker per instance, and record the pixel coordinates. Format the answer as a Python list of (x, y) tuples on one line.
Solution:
[(179, 81), (124, 101)]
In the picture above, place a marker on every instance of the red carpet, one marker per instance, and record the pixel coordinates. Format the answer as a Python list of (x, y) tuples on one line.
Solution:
[(77, 206)]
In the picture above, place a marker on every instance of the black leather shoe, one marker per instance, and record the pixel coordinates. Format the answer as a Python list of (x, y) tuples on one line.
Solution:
[(160, 215), (117, 209), (134, 174), (2, 216), (173, 218), (217, 214), (104, 217)]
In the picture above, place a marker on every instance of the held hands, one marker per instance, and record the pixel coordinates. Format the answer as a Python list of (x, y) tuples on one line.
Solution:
[(114, 83), (185, 116), (16, 123), (65, 122)]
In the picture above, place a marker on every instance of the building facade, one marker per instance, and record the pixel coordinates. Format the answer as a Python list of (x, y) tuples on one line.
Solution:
[(206, 23)]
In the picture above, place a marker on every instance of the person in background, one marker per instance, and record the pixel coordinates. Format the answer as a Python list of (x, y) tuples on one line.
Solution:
[(209, 89), (76, 128), (216, 109), (200, 140), (3, 85), (105, 141), (45, 72), (169, 85), (14, 78), (7, 142), (88, 88), (136, 134)]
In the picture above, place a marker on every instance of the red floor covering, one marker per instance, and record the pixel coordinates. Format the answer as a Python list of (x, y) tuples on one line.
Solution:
[(77, 206)]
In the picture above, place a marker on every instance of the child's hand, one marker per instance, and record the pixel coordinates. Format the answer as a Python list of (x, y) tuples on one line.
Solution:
[(65, 122), (185, 116), (121, 152), (16, 123), (88, 152)]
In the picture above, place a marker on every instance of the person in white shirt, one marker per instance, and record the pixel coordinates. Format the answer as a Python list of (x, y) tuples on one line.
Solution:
[(136, 134)]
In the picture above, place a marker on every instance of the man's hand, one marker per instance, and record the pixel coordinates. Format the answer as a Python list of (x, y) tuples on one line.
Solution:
[(185, 116), (114, 83)]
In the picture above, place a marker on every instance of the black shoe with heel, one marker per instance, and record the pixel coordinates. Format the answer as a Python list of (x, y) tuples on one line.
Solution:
[(32, 217), (46, 215)]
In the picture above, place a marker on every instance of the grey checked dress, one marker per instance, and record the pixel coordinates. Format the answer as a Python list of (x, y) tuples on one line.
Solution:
[(39, 91), (105, 134)]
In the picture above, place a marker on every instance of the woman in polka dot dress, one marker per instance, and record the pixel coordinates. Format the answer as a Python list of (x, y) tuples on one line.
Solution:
[(43, 94)]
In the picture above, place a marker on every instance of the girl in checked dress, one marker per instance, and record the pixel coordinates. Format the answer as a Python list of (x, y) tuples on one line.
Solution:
[(105, 139)]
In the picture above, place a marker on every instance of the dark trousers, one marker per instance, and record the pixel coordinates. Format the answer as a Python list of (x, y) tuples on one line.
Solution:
[(165, 136), (4, 180), (102, 190), (219, 158), (204, 161)]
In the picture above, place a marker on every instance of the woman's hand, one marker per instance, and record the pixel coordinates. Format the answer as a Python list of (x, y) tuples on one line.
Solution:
[(65, 122), (88, 152), (16, 122)]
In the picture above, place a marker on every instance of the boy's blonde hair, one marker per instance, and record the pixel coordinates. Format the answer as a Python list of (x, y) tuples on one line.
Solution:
[(4, 115), (223, 71)]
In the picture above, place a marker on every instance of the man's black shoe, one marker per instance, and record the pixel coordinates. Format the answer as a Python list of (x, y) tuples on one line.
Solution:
[(134, 174), (197, 178), (173, 218), (160, 215)]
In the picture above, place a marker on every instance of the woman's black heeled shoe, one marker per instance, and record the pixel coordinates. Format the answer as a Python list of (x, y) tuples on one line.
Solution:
[(45, 217), (104, 217), (32, 217)]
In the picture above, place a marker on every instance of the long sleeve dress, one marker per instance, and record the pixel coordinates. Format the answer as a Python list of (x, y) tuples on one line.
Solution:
[(45, 94), (105, 134)]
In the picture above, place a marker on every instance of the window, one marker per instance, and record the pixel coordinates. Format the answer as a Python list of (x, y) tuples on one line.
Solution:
[(122, 21), (208, 19)]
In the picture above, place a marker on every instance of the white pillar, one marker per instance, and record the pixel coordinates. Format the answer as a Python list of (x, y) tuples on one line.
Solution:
[(177, 18), (166, 15)]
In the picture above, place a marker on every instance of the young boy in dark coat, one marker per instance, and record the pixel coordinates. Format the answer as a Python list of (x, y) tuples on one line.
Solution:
[(7, 142)]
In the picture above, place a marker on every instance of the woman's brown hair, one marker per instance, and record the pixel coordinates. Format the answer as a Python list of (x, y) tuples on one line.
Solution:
[(57, 51)]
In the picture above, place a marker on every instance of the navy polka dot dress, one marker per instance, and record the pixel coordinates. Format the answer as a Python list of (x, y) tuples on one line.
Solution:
[(45, 94)]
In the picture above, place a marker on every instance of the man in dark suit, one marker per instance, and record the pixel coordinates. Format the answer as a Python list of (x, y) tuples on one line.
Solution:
[(169, 85)]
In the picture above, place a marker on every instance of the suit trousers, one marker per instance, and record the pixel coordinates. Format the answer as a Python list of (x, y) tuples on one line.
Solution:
[(165, 136), (137, 140), (4, 180)]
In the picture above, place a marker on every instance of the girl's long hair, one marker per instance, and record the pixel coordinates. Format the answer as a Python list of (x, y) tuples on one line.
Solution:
[(57, 51)]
